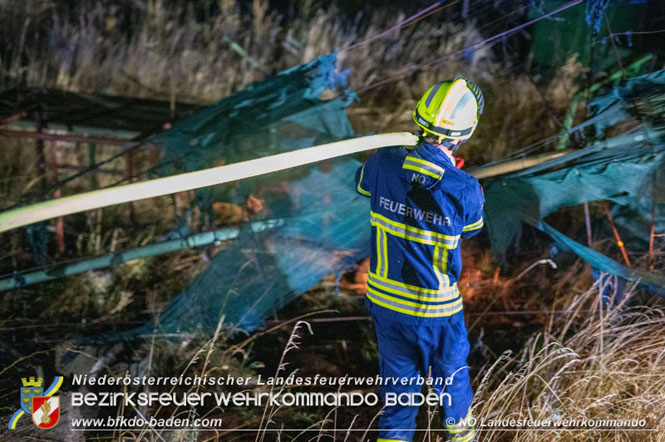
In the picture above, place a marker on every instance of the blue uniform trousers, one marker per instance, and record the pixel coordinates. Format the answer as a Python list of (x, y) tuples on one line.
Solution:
[(405, 351)]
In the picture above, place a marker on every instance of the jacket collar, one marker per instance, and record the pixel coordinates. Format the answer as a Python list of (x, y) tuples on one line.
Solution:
[(434, 154)]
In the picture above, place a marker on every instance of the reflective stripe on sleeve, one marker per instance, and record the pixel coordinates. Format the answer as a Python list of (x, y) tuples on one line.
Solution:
[(360, 189), (422, 166), (473, 226)]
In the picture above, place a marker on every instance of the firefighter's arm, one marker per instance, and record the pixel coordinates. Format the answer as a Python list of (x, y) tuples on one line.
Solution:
[(366, 176), (473, 210)]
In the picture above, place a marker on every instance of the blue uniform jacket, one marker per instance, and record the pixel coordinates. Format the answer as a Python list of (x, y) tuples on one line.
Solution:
[(421, 205)]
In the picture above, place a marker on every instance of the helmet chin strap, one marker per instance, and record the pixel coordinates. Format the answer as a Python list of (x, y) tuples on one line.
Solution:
[(451, 145)]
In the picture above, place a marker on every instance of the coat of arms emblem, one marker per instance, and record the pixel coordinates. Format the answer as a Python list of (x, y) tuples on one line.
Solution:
[(46, 411), (30, 389), (42, 405)]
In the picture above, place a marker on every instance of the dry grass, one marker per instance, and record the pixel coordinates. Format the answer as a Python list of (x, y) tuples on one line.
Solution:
[(165, 50), (608, 364), (162, 50)]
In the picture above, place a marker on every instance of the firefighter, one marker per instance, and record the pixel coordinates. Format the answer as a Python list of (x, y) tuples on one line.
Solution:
[(421, 206)]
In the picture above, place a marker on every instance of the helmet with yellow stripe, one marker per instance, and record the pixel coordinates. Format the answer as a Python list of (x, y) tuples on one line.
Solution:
[(449, 110)]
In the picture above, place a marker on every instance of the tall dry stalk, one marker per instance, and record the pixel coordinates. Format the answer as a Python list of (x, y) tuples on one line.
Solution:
[(593, 366), (292, 344)]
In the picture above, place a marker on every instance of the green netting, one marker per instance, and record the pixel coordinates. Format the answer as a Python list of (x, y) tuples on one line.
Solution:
[(623, 169), (301, 107), (322, 227), (324, 231)]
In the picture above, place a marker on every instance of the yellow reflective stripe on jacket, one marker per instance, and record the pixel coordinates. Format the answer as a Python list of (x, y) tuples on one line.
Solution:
[(412, 308), (414, 292), (422, 166), (440, 264), (360, 189), (409, 287), (384, 247), (381, 251), (473, 226), (413, 233)]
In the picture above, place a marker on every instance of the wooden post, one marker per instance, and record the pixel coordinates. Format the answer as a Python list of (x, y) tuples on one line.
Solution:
[(130, 178), (41, 160), (92, 161), (41, 172), (59, 222)]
